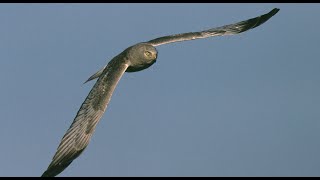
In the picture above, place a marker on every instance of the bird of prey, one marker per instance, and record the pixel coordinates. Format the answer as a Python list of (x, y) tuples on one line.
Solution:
[(135, 58)]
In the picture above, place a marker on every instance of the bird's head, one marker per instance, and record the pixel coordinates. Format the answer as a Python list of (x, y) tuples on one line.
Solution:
[(141, 56)]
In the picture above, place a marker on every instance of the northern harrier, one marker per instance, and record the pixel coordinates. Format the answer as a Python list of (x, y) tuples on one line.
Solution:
[(135, 58)]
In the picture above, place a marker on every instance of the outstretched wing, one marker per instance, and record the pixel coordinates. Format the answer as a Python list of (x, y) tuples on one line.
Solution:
[(219, 31), (78, 135)]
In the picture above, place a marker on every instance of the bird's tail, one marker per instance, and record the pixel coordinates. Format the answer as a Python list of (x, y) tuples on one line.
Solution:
[(95, 75)]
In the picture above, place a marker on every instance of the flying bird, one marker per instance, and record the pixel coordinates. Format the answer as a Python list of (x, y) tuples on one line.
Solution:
[(135, 58)]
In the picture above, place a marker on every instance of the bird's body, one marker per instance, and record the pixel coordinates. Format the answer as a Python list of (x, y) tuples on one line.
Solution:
[(135, 58)]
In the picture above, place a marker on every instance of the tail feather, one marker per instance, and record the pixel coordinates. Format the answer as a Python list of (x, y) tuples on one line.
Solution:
[(95, 75)]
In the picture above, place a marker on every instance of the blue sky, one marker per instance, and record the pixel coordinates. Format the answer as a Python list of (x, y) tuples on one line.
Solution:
[(242, 105)]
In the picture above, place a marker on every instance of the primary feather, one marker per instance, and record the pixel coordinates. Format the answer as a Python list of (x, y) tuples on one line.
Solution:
[(79, 133), (219, 31)]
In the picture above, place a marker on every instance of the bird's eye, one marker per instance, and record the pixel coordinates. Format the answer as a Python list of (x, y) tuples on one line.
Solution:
[(148, 53)]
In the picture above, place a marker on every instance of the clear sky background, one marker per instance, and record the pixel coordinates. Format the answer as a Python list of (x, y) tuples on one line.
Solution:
[(242, 105)]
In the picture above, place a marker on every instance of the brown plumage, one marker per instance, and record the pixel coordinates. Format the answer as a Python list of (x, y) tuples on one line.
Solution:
[(134, 58)]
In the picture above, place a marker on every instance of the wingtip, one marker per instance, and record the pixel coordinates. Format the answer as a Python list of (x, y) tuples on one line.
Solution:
[(274, 11), (46, 174)]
